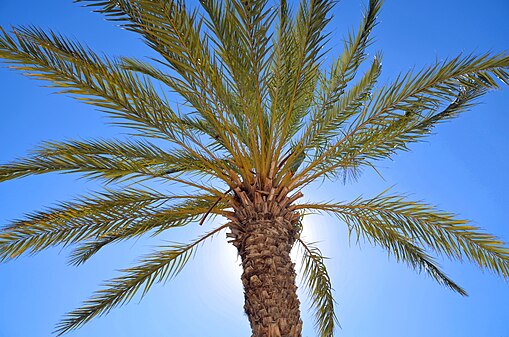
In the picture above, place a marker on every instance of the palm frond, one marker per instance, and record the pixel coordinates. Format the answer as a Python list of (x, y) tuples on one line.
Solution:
[(191, 210), (403, 249), (318, 284), (176, 34), (354, 51), (107, 159), (105, 83), (95, 80), (344, 69), (297, 56), (157, 267), (326, 122), (329, 110), (423, 224), (384, 140), (243, 46), (216, 139), (122, 214), (398, 245), (407, 109)]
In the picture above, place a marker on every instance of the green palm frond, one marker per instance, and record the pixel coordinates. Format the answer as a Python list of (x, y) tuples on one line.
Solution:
[(384, 140), (157, 267), (197, 124), (176, 35), (326, 123), (400, 246), (107, 159), (330, 108), (122, 214), (297, 57), (404, 250), (345, 68), (329, 123), (406, 110), (182, 214), (86, 250), (424, 225), (104, 83), (318, 284), (243, 46), (114, 161), (92, 79), (354, 51)]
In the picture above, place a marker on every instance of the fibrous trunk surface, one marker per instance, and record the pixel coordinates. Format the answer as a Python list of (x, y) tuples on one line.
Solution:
[(264, 232)]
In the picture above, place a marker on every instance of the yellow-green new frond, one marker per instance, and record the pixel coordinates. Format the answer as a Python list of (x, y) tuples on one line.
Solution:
[(242, 37), (318, 284), (157, 267), (296, 63)]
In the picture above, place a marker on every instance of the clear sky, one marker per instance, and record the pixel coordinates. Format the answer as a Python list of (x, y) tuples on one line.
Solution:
[(462, 168)]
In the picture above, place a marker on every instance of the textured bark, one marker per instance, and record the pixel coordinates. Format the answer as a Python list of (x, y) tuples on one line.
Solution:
[(264, 232)]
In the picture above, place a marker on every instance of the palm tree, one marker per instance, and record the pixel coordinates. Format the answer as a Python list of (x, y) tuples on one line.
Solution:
[(262, 117)]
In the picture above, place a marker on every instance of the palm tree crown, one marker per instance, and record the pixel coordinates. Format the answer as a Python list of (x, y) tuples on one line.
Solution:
[(262, 116)]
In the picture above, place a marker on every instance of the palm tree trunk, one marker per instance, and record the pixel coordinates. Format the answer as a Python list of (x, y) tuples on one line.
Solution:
[(264, 237)]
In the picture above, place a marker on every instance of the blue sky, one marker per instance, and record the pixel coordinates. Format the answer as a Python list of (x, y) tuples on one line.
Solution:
[(462, 169)]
